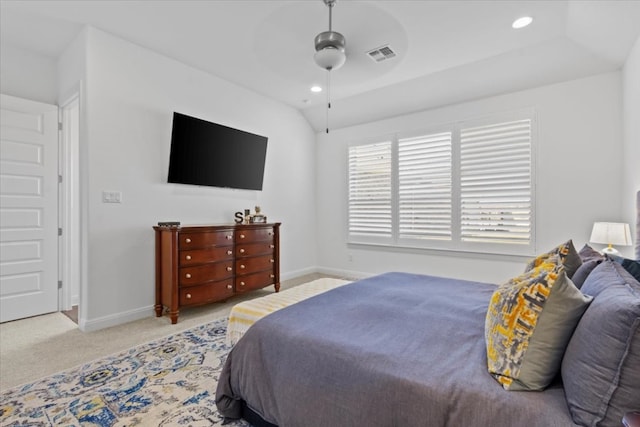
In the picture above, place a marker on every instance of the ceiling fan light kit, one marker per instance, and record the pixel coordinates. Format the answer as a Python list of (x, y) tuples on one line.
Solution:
[(330, 52), (330, 58)]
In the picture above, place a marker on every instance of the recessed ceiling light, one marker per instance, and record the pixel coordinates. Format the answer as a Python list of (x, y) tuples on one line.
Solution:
[(522, 22), (316, 89)]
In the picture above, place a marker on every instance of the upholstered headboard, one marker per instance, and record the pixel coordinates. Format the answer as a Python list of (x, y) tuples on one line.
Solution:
[(638, 225)]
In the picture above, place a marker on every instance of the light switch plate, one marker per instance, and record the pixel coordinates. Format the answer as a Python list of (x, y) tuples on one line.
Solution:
[(111, 197)]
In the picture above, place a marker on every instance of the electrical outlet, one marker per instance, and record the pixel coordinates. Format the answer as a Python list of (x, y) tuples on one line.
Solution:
[(350, 257), (111, 197)]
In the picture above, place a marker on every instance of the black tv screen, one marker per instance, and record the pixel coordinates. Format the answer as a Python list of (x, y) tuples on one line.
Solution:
[(205, 153)]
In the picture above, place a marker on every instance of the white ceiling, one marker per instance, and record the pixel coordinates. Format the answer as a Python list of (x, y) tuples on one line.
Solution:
[(448, 51)]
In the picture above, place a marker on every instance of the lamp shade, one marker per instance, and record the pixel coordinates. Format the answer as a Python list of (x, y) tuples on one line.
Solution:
[(611, 233)]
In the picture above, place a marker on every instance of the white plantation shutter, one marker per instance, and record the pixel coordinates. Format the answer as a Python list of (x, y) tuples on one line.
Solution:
[(496, 184), (464, 186), (424, 187), (370, 190)]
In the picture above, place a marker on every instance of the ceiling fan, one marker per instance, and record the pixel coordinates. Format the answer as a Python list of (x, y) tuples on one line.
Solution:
[(330, 52)]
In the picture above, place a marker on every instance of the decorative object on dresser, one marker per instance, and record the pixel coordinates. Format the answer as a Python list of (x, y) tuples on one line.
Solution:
[(202, 264), (258, 217)]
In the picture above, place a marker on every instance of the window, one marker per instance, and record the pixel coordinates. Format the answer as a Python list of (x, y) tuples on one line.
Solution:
[(424, 187), (495, 183), (467, 186), (370, 190)]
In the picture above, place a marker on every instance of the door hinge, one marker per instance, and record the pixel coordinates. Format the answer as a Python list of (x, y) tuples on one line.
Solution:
[(59, 284), (59, 125), (60, 231), (59, 179)]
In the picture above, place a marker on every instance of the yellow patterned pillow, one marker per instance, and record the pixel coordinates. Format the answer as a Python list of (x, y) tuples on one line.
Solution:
[(529, 322), (567, 254)]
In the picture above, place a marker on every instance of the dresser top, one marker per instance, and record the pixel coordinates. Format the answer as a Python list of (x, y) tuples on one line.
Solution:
[(206, 227)]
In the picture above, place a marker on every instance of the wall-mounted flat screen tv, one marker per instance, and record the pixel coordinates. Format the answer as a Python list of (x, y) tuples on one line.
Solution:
[(206, 153)]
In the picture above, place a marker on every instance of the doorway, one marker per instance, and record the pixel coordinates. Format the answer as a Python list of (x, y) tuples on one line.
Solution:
[(69, 207)]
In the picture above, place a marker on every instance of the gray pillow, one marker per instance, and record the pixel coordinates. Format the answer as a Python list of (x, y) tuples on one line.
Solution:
[(583, 271), (587, 253), (601, 365), (606, 274)]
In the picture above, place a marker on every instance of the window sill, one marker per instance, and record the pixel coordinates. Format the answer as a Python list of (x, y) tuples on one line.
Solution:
[(460, 253)]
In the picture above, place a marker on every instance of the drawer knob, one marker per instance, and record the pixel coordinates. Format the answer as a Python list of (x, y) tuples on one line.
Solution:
[(229, 252), (229, 236), (242, 266), (272, 275), (272, 246), (188, 257), (229, 286), (271, 233), (242, 236), (272, 260), (188, 276), (188, 240), (241, 251), (229, 268), (242, 283), (188, 296)]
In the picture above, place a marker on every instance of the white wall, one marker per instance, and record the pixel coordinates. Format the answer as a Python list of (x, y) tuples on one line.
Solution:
[(579, 162), (631, 103), (28, 75), (130, 96)]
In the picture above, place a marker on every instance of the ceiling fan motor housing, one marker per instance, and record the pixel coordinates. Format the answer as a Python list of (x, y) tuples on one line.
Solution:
[(330, 39)]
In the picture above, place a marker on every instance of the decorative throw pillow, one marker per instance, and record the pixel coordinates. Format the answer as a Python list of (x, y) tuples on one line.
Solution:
[(568, 257), (587, 253), (529, 321), (601, 365)]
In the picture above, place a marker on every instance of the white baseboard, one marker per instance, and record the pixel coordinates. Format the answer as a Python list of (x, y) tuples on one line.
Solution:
[(115, 319), (297, 273), (143, 312), (342, 273)]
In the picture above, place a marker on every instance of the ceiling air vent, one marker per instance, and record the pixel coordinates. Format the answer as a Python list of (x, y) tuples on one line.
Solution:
[(381, 53)]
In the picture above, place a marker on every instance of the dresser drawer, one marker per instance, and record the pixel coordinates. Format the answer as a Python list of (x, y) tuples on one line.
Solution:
[(251, 265), (253, 249), (206, 293), (254, 281), (202, 256), (202, 240), (254, 235), (190, 276)]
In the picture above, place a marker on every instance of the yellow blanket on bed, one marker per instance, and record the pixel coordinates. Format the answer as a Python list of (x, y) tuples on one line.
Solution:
[(246, 313)]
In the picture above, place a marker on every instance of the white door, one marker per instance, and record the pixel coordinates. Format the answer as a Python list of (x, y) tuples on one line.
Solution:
[(28, 208)]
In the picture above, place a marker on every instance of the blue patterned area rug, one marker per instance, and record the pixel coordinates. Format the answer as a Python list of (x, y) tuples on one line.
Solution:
[(168, 382)]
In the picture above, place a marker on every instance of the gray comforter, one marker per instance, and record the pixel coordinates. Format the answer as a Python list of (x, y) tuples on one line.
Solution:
[(392, 350)]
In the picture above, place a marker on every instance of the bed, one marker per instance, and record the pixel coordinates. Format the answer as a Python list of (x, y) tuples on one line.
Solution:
[(404, 349)]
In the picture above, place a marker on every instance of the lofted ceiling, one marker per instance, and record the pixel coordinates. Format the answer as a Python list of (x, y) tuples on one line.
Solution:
[(447, 51)]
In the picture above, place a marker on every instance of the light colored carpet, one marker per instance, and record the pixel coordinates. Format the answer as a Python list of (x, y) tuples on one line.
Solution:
[(40, 346)]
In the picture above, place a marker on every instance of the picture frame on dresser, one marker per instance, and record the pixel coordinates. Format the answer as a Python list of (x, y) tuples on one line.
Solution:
[(203, 264)]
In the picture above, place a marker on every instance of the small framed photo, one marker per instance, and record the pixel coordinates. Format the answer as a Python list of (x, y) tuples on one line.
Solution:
[(258, 219)]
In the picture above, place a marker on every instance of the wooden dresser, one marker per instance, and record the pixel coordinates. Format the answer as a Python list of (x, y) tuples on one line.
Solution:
[(207, 263)]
